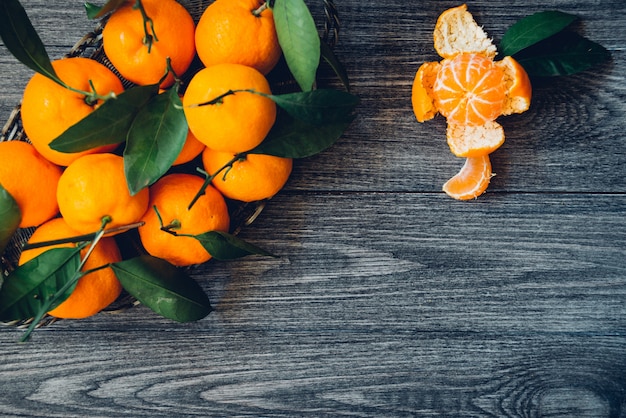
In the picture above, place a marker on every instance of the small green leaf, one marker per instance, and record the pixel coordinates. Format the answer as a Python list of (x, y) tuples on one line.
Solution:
[(224, 246), (95, 12), (154, 140), (563, 54), (534, 28), (292, 138), (318, 107), (329, 56), (29, 286), (164, 288), (109, 124), (299, 40), (10, 217), (21, 39)]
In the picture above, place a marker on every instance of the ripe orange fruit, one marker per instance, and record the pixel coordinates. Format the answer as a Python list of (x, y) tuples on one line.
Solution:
[(94, 291), (191, 149), (94, 186), (237, 122), (238, 32), (48, 108), (31, 180), (253, 177), (469, 90), (171, 33), (472, 180), (171, 195)]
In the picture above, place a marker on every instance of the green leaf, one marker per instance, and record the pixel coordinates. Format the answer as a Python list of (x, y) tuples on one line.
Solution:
[(534, 28), (224, 246), (21, 39), (164, 288), (563, 54), (299, 40), (292, 138), (318, 107), (329, 56), (10, 217), (95, 12), (154, 140), (28, 287), (109, 124)]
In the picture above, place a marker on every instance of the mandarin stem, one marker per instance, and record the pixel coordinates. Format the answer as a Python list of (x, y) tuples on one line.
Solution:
[(80, 238), (261, 9), (148, 39), (218, 99), (210, 178)]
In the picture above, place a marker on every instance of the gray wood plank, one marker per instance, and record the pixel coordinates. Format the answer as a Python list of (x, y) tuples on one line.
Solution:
[(507, 307)]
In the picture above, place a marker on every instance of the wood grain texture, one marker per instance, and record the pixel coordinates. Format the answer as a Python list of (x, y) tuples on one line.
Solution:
[(387, 298)]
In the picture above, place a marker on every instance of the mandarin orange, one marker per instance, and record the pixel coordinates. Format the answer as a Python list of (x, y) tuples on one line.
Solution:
[(95, 290)]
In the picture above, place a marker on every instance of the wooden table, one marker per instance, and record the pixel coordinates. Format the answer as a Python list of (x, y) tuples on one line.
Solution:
[(388, 298)]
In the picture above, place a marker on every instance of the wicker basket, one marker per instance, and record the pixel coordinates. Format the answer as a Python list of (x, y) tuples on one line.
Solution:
[(90, 46)]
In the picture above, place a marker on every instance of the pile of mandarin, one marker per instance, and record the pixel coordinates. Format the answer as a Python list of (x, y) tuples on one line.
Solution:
[(68, 194)]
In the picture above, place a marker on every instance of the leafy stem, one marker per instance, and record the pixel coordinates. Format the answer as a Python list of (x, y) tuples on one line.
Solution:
[(80, 238), (148, 39), (219, 99), (49, 301), (209, 177)]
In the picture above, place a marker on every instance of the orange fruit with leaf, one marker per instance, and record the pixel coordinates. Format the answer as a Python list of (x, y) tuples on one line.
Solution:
[(471, 90), (95, 290), (138, 40), (31, 180), (169, 219), (224, 110), (48, 109), (250, 177)]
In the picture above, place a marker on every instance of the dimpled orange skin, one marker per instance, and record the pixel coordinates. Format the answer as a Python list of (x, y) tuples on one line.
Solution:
[(171, 195), (94, 186), (31, 180), (240, 121), (123, 41), (228, 31), (254, 177), (48, 109), (94, 291)]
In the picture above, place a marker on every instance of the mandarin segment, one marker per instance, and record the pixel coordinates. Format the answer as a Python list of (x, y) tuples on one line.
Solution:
[(48, 109), (94, 291), (31, 180), (469, 89), (472, 180)]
